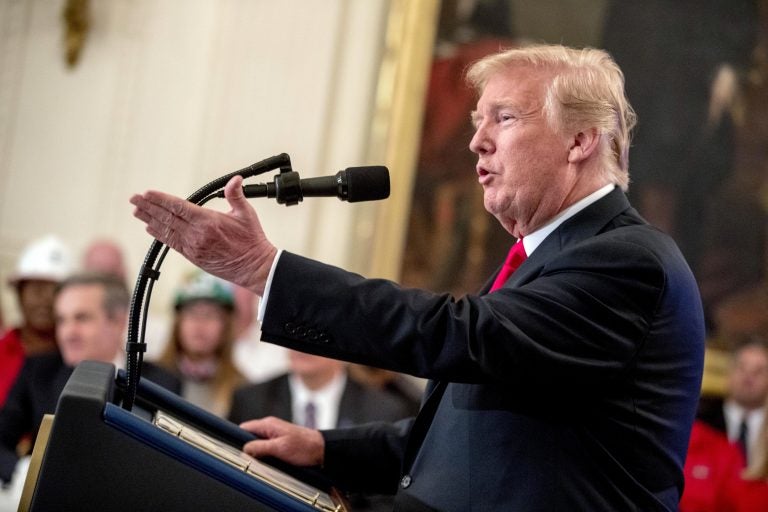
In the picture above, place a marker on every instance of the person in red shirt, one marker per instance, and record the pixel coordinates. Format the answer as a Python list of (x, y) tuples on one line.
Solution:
[(41, 265), (749, 493), (711, 466)]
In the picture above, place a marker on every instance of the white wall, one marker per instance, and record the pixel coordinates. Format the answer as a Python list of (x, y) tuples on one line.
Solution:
[(170, 94)]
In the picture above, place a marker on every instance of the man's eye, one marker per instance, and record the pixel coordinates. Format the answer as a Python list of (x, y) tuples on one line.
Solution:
[(506, 117)]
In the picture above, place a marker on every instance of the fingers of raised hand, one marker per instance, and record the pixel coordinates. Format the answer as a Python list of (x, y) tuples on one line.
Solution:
[(174, 221), (159, 211)]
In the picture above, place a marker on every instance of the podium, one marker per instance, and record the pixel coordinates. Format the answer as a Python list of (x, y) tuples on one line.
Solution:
[(165, 454)]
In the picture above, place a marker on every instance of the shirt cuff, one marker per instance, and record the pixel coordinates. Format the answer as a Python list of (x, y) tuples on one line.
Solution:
[(267, 286)]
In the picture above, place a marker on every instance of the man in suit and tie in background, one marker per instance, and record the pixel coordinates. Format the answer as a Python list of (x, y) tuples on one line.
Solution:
[(91, 312), (318, 393), (741, 413), (570, 385)]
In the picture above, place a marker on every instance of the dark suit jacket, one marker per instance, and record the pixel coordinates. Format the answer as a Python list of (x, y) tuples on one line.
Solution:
[(359, 404), (574, 387), (36, 393)]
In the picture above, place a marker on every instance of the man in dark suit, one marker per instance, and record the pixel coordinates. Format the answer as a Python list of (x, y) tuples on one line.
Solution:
[(319, 393), (91, 312), (320, 388), (571, 385)]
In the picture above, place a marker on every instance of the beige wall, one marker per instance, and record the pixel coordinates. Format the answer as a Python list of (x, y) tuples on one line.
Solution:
[(170, 94)]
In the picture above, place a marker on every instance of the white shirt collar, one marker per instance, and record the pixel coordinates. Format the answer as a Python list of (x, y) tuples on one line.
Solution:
[(533, 240), (734, 414), (326, 400)]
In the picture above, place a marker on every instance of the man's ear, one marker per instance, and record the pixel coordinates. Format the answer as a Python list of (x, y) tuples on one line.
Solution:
[(583, 145)]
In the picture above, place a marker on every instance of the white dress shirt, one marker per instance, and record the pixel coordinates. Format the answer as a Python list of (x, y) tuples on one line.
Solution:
[(734, 414), (326, 400)]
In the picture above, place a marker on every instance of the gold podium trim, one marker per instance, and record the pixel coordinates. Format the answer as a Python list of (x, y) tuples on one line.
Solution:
[(322, 501), (35, 462)]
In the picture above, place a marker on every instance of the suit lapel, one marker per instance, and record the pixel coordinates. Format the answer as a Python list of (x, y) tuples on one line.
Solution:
[(434, 394), (588, 222)]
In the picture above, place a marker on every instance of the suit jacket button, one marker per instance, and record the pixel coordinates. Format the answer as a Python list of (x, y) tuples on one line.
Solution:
[(405, 482), (324, 338), (290, 328)]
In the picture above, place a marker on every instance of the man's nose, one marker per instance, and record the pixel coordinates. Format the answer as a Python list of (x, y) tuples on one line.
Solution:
[(481, 142)]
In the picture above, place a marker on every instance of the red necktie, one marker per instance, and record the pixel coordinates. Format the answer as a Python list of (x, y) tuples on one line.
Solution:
[(515, 258)]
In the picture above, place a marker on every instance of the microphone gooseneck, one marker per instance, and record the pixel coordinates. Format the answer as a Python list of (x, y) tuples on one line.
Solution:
[(353, 184)]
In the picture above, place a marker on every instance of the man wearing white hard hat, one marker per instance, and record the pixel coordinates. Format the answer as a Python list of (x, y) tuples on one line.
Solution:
[(41, 266)]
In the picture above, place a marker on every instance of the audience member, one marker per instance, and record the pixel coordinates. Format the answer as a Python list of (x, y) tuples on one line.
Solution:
[(199, 350), (318, 393), (321, 386), (750, 492), (741, 413), (91, 312), (42, 264), (104, 256), (711, 466)]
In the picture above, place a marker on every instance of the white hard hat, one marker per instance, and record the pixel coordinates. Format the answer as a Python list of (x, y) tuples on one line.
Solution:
[(45, 259)]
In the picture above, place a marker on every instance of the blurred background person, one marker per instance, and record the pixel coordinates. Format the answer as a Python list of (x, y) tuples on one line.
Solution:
[(712, 464), (318, 392), (91, 312), (41, 265), (750, 492), (199, 350), (105, 256), (741, 413)]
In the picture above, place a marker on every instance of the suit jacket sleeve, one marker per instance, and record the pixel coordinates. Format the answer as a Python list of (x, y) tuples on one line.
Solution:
[(579, 319), (366, 458)]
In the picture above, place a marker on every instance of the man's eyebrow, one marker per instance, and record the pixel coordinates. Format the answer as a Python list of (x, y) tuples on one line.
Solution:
[(476, 117)]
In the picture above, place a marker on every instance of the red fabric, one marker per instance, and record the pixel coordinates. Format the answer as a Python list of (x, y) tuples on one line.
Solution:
[(11, 360), (712, 465), (515, 258), (745, 496)]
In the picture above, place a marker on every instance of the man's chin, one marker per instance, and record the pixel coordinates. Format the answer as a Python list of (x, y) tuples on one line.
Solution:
[(73, 359)]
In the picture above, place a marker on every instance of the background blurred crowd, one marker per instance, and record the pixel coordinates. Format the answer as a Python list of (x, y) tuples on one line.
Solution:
[(74, 309)]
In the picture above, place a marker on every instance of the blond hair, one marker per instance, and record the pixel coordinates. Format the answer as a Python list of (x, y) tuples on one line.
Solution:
[(586, 91), (758, 466)]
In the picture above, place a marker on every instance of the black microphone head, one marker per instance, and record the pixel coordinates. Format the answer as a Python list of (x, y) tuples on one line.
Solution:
[(369, 183)]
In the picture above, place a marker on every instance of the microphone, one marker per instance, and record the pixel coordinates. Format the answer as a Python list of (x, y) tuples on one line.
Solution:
[(353, 184)]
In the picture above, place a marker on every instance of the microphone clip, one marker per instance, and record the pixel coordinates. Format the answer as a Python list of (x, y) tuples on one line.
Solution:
[(288, 187)]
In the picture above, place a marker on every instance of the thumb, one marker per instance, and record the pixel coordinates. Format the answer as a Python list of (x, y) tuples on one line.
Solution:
[(233, 191)]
